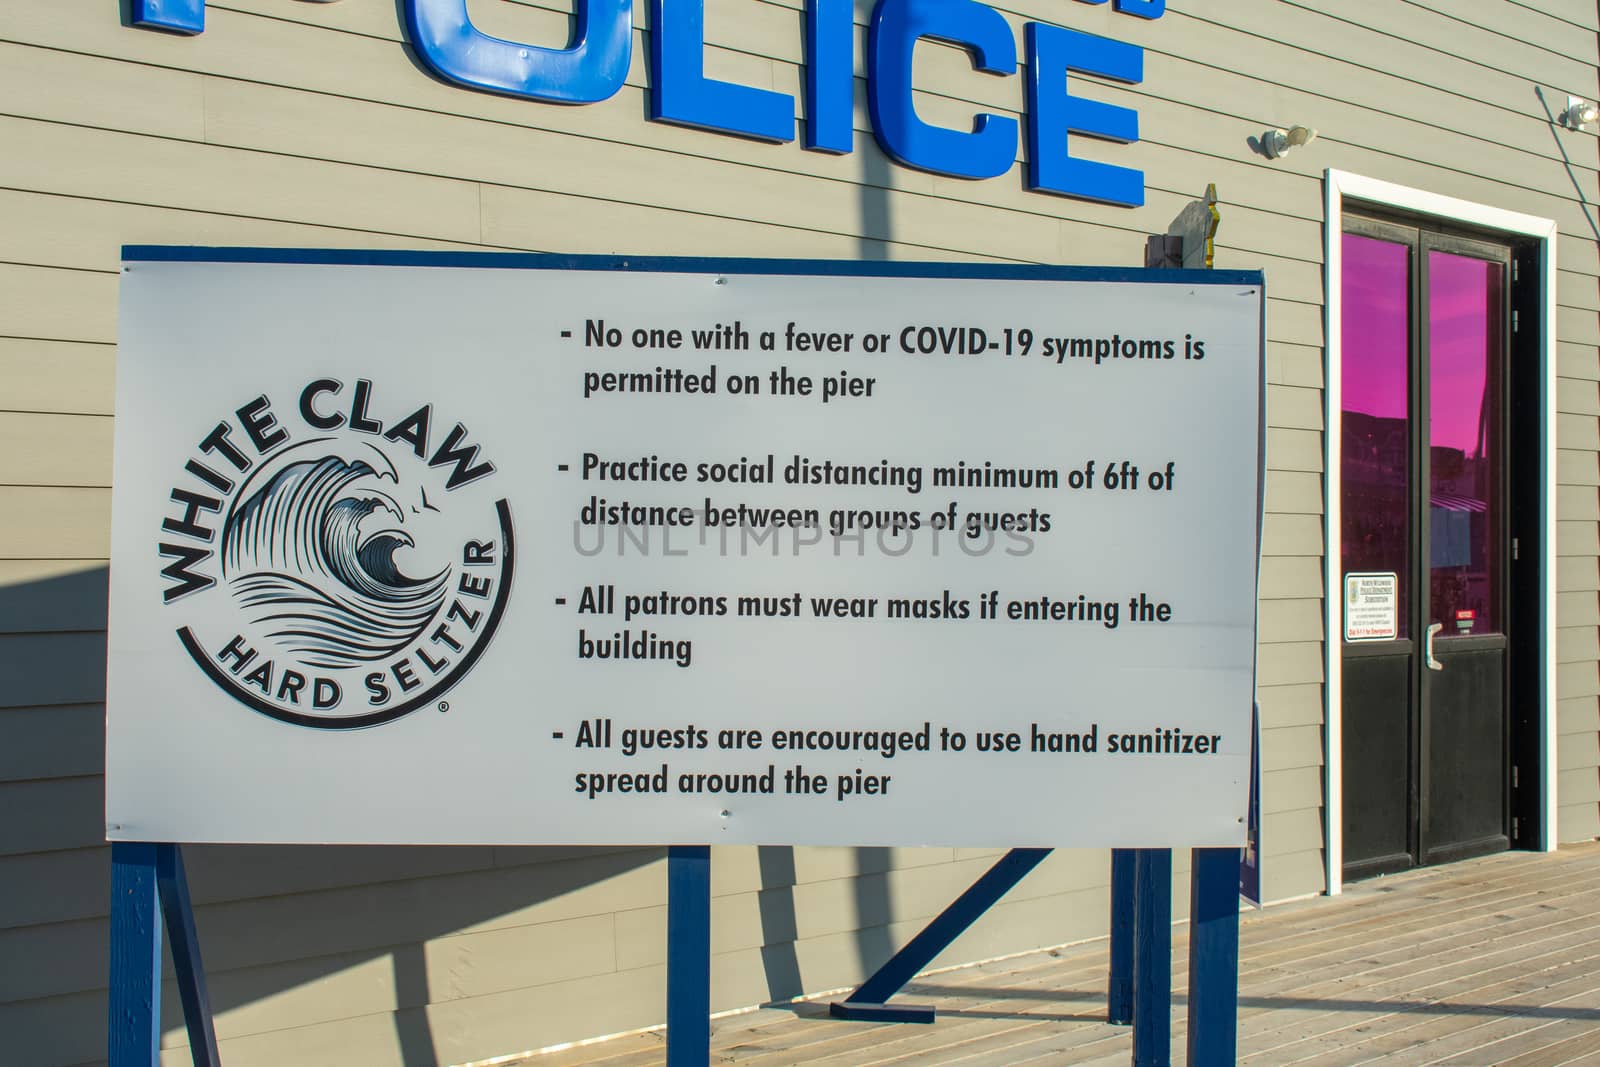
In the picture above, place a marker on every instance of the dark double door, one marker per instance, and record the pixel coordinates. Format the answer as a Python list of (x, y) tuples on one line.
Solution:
[(1427, 546)]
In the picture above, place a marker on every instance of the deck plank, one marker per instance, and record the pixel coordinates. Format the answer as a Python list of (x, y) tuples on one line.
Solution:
[(1411, 1025)]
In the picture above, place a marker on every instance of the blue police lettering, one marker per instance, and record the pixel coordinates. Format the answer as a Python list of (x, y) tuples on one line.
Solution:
[(1054, 114), (989, 149), (589, 70), (594, 66), (684, 95)]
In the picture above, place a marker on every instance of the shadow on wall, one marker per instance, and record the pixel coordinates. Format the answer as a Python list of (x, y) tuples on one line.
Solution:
[(874, 909), (411, 933), (1552, 113), (874, 913), (779, 924)]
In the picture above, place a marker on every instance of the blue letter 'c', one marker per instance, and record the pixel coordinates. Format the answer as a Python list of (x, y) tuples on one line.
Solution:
[(591, 70), (1053, 114), (986, 152), (680, 92)]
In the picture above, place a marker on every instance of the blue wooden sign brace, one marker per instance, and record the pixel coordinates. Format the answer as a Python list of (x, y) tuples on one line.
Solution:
[(141, 873), (870, 1000)]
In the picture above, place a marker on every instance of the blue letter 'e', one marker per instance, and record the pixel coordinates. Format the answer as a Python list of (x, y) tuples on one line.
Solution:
[(591, 70), (1053, 114), (178, 16), (986, 152), (681, 92), (1145, 9)]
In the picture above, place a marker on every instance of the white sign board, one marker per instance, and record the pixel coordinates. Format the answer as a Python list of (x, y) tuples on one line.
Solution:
[(450, 549), (1371, 606)]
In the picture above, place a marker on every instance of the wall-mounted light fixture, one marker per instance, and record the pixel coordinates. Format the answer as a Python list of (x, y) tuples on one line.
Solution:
[(1579, 113), (1278, 142)]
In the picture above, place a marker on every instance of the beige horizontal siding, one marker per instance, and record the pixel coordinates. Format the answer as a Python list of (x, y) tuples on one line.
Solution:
[(1293, 875), (1578, 362), (55, 376), (1578, 787), (42, 449), (1576, 539), (1576, 467), (1580, 822), (38, 670), (46, 744), (49, 595), (1577, 573), (1291, 620), (1577, 13), (1285, 534), (1577, 396), (1453, 36), (1382, 62), (54, 523), (1578, 751), (1294, 492), (1576, 644), (1531, 24), (1577, 608), (1577, 502), (1290, 705), (1291, 747), (1285, 577)]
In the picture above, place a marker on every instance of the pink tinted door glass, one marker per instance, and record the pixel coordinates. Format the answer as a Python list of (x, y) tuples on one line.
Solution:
[(1465, 352), (1375, 341)]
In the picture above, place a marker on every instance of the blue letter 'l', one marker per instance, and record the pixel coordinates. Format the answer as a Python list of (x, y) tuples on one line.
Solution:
[(591, 70), (681, 92), (1053, 114), (986, 152)]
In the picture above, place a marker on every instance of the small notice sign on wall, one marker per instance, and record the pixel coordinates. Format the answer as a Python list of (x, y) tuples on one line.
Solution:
[(1371, 606)]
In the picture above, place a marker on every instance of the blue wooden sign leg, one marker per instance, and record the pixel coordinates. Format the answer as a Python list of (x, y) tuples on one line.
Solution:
[(134, 1022), (147, 885), (1152, 958), (688, 956), (1214, 957), (186, 965), (1119, 997)]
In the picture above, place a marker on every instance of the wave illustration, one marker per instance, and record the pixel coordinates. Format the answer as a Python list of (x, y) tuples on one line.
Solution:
[(295, 558)]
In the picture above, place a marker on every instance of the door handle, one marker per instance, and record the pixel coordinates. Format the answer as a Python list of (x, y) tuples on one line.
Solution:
[(1427, 646)]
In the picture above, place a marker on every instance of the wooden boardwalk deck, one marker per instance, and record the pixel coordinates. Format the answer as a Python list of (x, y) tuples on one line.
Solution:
[(1493, 961)]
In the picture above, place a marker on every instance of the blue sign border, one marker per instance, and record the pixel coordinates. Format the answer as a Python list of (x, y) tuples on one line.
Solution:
[(687, 264)]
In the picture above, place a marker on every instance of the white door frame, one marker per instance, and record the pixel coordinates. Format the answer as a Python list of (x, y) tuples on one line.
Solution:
[(1338, 186)]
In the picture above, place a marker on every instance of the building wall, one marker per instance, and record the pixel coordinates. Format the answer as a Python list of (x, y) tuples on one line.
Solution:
[(291, 123)]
